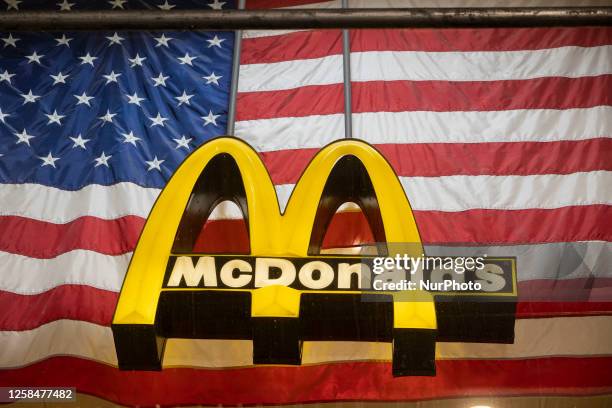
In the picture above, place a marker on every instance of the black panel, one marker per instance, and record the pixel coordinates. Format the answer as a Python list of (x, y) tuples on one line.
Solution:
[(414, 352), (475, 320), (276, 340), (204, 314), (220, 180), (138, 347), (367, 317), (348, 181)]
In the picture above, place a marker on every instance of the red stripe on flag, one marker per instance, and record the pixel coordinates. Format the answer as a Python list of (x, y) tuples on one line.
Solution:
[(576, 223), (89, 304), (75, 302), (115, 237), (446, 159), (291, 46), (490, 227), (40, 239), (320, 43), (499, 159), (324, 382), (528, 310), (439, 96), (298, 102), (481, 39), (445, 96), (265, 4)]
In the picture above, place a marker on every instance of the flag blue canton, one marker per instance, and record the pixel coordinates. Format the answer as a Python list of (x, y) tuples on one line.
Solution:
[(79, 108)]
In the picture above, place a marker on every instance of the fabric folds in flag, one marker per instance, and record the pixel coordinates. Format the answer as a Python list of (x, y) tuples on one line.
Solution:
[(500, 137)]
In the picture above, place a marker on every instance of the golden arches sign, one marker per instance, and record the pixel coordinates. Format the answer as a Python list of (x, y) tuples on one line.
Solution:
[(149, 310)]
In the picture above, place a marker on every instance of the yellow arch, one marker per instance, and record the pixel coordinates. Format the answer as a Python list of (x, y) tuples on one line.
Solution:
[(143, 282), (398, 220), (271, 234)]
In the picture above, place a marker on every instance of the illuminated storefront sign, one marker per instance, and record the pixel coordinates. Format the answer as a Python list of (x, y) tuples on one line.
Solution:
[(285, 291)]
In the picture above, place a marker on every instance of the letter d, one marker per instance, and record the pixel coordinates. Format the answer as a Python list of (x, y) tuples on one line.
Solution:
[(262, 272)]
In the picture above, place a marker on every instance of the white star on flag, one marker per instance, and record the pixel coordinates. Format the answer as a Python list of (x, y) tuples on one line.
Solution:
[(163, 40), (186, 59), (160, 80), (182, 142), (12, 4), (3, 116), (48, 160), (65, 6), (59, 78), (79, 142), (84, 99), (215, 42), (135, 99), (108, 117), (29, 97), (184, 98), (154, 164), (166, 6), (6, 76), (63, 41), (23, 137), (112, 77), (210, 118), (10, 40), (54, 118), (136, 61), (130, 138), (158, 120), (212, 79), (88, 59), (102, 160), (117, 3), (115, 39), (34, 58), (216, 5)]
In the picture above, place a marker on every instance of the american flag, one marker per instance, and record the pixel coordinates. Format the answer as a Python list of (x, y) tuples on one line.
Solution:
[(501, 138)]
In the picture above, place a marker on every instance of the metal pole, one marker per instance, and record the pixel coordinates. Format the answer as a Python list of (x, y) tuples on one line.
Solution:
[(231, 113), (304, 18), (346, 65)]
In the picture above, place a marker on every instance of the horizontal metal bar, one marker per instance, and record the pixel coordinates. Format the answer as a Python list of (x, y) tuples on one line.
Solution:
[(304, 18)]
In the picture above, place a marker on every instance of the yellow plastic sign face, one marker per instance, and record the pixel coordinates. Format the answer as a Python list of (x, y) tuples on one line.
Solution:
[(170, 291)]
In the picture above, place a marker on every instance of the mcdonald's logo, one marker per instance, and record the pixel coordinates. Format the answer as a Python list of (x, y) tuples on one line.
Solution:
[(285, 291)]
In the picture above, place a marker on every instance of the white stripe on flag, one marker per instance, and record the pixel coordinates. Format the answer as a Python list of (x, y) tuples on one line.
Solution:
[(561, 260), (59, 206), (30, 276), (521, 125), (420, 66), (461, 193), (446, 193), (562, 336), (479, 66)]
